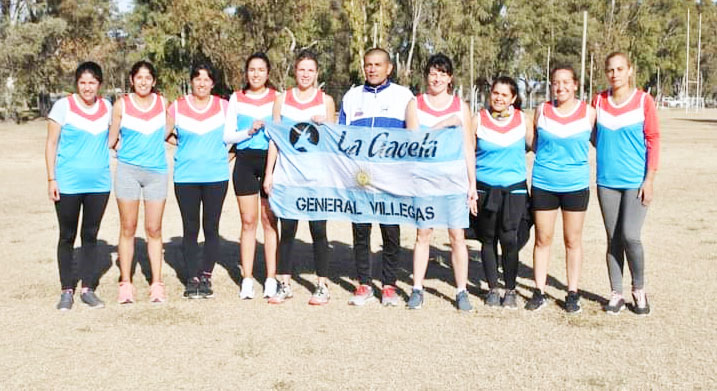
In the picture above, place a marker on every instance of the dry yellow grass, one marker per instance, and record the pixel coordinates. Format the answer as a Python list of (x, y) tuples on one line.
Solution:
[(226, 343)]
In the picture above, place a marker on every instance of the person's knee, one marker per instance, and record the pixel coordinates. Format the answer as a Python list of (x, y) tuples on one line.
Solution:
[(248, 222), (543, 239), (128, 228), (457, 239), (268, 221), (423, 236), (573, 242), (631, 240), (153, 230), (509, 240)]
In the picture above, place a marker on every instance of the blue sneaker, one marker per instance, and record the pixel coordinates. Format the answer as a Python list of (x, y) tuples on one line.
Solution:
[(415, 302), (462, 302)]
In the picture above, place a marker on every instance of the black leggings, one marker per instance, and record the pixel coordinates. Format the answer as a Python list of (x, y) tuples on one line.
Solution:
[(489, 257), (68, 213), (320, 244), (500, 225), (391, 235), (211, 197)]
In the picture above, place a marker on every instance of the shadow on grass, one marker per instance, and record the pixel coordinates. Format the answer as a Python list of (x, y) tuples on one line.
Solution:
[(342, 269), (103, 259)]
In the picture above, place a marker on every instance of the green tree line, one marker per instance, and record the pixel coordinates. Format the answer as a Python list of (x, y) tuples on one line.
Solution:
[(43, 40)]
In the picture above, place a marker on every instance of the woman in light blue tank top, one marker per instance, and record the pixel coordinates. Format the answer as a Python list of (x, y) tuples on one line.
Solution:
[(78, 179), (138, 132), (560, 180)]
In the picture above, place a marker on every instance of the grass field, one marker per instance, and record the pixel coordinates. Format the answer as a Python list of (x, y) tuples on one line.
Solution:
[(226, 343)]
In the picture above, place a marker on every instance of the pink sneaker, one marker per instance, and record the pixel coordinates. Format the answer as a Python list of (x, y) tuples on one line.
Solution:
[(126, 293), (156, 293)]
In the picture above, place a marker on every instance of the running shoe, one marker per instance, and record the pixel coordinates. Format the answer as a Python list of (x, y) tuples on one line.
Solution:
[(66, 300), (247, 288), (462, 302), (537, 302), (284, 293), (510, 299), (270, 287), (191, 291), (415, 302), (89, 297), (572, 303), (640, 304), (492, 299), (616, 304), (389, 296), (126, 293), (321, 296), (156, 293), (362, 295), (205, 287)]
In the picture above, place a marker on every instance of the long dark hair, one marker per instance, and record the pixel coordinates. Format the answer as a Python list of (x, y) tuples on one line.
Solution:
[(510, 82), (261, 56), (146, 65)]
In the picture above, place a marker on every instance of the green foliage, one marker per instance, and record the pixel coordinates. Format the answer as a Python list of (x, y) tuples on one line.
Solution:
[(44, 41)]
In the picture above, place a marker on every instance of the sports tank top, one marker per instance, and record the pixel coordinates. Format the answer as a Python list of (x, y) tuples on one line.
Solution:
[(561, 156), (142, 134), (500, 153), (201, 154)]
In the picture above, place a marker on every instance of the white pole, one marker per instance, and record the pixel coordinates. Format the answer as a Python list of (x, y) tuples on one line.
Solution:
[(699, 73), (590, 94), (473, 100), (659, 89), (687, 65), (547, 77), (582, 59)]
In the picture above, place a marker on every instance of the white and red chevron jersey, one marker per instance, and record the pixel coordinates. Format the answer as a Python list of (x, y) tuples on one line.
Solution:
[(297, 110), (201, 155), (242, 111), (428, 115), (142, 133), (628, 139), (83, 155), (561, 155), (500, 152)]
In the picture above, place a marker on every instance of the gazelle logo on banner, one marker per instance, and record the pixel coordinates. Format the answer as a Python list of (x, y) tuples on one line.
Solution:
[(384, 175), (303, 135)]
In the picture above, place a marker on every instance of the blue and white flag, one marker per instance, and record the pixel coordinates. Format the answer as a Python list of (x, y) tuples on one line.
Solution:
[(383, 175)]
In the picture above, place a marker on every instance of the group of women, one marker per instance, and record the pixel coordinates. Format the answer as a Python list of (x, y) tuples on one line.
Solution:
[(82, 127)]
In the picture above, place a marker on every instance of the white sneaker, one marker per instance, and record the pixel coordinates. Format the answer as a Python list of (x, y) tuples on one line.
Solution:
[(247, 289), (270, 286)]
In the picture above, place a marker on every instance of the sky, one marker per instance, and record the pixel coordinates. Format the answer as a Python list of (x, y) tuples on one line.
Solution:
[(124, 5)]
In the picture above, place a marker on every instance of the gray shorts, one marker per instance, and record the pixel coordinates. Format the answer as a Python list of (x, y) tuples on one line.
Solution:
[(131, 180)]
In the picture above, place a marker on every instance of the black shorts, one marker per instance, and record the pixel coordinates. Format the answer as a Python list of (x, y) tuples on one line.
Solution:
[(248, 176), (573, 201)]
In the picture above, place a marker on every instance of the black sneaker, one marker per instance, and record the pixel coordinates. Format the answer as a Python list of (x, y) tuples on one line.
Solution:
[(492, 299), (66, 300), (90, 298), (572, 303), (192, 289), (205, 287), (615, 305), (510, 299), (640, 305), (537, 302)]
